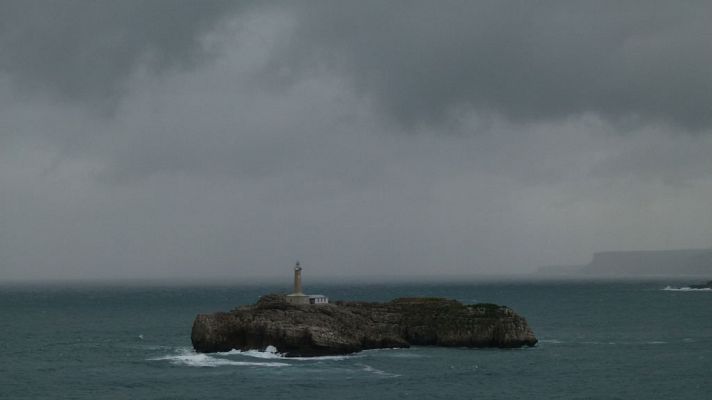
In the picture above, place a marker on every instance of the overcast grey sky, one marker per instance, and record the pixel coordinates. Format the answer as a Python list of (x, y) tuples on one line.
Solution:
[(211, 139)]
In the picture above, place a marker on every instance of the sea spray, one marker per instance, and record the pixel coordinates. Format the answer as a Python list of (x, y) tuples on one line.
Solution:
[(190, 358)]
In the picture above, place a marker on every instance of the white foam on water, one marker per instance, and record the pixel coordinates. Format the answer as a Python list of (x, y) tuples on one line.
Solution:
[(651, 342), (192, 359), (406, 355), (149, 347), (387, 349), (553, 341), (368, 368), (271, 353), (686, 289)]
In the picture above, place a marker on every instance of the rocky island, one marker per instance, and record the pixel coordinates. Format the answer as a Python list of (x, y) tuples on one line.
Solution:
[(700, 287), (707, 285), (305, 330), (303, 325)]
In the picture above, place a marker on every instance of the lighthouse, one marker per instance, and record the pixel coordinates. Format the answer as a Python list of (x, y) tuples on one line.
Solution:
[(298, 296), (297, 279)]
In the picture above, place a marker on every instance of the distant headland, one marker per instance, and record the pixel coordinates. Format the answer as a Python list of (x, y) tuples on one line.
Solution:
[(300, 325), (639, 264)]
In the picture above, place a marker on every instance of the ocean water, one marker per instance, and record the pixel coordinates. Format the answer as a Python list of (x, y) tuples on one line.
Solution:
[(597, 341)]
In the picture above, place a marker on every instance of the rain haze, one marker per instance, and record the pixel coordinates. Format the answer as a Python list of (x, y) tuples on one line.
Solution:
[(225, 140)]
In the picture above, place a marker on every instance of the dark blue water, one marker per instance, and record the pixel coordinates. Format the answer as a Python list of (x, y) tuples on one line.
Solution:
[(598, 341)]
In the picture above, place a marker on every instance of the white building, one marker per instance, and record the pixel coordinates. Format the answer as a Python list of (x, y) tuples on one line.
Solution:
[(298, 297)]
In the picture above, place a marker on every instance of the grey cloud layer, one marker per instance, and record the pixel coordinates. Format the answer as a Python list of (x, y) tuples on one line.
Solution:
[(85, 50), (527, 60), (245, 135), (421, 60)]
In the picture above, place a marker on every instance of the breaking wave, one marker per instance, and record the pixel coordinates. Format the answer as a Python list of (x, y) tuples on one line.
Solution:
[(271, 353), (192, 359), (686, 289)]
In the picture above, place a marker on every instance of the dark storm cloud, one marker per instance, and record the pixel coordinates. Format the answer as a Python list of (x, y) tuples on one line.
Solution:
[(243, 136), (527, 60), (85, 50), (423, 61)]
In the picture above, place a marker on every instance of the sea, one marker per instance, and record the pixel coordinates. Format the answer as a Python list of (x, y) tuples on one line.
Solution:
[(597, 340)]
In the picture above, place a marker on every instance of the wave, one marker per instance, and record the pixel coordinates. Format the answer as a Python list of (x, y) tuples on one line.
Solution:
[(368, 368), (192, 359), (406, 355), (686, 289), (553, 341), (611, 343), (271, 353)]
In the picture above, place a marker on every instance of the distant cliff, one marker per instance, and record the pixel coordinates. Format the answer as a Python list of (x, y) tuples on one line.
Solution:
[(663, 262), (691, 262), (348, 327)]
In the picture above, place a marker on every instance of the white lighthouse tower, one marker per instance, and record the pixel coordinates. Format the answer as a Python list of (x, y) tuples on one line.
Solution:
[(298, 296), (297, 279)]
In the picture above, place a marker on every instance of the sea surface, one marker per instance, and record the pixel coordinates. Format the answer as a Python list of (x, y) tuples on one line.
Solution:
[(598, 340)]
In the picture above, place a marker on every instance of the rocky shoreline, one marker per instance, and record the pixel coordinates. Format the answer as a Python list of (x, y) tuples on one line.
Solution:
[(349, 327)]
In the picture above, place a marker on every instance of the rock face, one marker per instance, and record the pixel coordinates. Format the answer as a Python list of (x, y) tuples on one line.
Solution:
[(348, 327)]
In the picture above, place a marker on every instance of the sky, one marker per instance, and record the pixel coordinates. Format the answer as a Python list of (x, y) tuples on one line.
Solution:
[(226, 140)]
